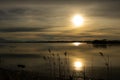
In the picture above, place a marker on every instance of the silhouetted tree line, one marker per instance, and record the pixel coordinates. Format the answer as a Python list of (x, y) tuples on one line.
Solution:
[(105, 41)]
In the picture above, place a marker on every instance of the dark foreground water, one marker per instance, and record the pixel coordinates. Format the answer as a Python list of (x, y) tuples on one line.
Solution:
[(57, 60)]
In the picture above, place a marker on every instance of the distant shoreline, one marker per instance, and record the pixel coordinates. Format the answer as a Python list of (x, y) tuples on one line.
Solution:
[(103, 41), (88, 42)]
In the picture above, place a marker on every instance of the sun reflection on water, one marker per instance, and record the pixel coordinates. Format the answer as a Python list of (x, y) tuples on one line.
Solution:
[(76, 43), (78, 65)]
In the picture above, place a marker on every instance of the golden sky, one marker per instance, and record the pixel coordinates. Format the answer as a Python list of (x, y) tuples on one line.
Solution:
[(51, 19)]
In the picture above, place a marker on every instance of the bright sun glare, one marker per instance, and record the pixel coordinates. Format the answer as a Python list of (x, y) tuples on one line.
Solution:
[(77, 20), (76, 43), (78, 65)]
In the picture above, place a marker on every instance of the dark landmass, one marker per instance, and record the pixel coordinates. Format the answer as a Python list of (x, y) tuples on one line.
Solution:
[(104, 41)]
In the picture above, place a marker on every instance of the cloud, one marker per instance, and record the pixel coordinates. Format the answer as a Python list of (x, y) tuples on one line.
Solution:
[(21, 29), (12, 13), (51, 14), (18, 11), (102, 8), (2, 12)]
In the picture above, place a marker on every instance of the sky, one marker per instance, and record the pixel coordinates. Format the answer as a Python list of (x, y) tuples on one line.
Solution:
[(51, 19)]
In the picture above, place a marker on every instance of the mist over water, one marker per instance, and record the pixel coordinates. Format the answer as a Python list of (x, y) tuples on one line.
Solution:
[(50, 58)]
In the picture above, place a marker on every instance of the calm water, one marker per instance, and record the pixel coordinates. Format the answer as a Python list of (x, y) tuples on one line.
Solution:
[(60, 58)]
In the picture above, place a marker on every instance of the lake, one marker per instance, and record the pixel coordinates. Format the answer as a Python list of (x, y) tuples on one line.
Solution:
[(62, 59)]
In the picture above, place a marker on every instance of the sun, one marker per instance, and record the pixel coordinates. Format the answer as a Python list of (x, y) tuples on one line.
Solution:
[(77, 20)]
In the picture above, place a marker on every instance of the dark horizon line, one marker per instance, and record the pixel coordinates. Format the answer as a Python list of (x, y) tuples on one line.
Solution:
[(41, 41), (104, 41)]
